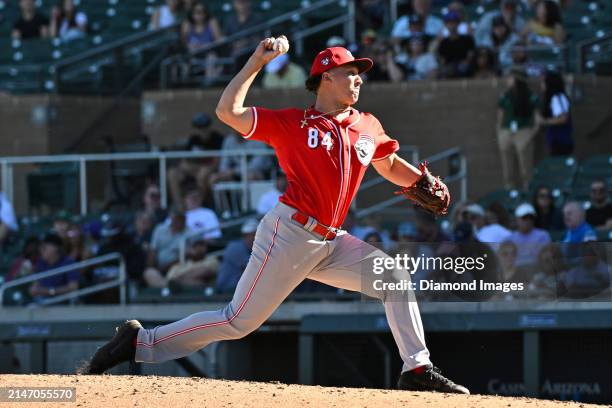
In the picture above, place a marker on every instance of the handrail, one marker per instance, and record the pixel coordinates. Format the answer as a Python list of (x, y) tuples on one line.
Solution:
[(67, 268), (7, 163), (461, 176), (581, 47)]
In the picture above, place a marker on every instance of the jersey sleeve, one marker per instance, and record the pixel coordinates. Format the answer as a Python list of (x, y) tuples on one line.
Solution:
[(268, 125), (385, 146)]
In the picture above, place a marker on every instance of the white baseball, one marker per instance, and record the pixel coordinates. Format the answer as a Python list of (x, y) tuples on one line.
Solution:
[(281, 44)]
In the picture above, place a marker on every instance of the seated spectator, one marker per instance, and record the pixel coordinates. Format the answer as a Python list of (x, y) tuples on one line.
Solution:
[(115, 239), (428, 231), (142, 230), (599, 214), (528, 239), (556, 116), (8, 221), (165, 248), (61, 226), (196, 170), (371, 14), (548, 216), (281, 73), (77, 249), (475, 215), (494, 231), (25, 263), (501, 39), (229, 166), (200, 28), (508, 11), (508, 268), (589, 278), (242, 18), (375, 239), (151, 201), (455, 51), (199, 267), (551, 265), (515, 130), (52, 256), (31, 23), (165, 15), (235, 258), (578, 230), (415, 62), (379, 50), (464, 26), (432, 25), (67, 23), (199, 218), (483, 64), (269, 199), (546, 27)]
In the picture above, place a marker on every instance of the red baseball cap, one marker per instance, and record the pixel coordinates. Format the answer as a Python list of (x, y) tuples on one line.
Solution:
[(336, 56)]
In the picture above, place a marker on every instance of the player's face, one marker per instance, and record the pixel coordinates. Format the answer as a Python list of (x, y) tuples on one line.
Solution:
[(345, 84)]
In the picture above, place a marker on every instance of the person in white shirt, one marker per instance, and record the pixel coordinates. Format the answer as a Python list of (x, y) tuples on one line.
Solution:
[(494, 231), (269, 199), (198, 218), (8, 221), (165, 15), (433, 24)]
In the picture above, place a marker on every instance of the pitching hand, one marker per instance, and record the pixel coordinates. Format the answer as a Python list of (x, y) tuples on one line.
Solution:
[(265, 50)]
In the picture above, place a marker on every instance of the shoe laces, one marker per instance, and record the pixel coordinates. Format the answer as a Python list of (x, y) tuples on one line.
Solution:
[(436, 374)]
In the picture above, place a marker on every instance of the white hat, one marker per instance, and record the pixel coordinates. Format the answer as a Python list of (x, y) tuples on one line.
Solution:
[(249, 226), (523, 210), (277, 63), (475, 209)]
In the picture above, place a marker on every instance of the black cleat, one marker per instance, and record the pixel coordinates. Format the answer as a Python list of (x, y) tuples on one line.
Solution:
[(118, 350), (430, 379)]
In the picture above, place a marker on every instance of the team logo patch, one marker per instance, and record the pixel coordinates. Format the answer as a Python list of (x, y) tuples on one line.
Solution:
[(364, 146), (325, 61)]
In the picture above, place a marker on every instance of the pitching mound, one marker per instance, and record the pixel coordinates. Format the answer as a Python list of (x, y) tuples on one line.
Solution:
[(174, 392)]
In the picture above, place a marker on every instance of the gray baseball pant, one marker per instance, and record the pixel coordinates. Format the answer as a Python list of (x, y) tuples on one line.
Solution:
[(284, 254)]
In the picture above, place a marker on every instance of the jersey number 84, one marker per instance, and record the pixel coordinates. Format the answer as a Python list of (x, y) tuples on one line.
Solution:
[(313, 139)]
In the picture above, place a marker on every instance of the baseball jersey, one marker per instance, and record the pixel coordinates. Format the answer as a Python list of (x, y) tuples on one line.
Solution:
[(324, 159)]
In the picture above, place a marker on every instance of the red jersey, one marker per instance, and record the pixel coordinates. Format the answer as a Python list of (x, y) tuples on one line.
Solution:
[(324, 159)]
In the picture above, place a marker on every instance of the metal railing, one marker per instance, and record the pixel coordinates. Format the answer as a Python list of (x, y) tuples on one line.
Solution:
[(460, 175), (7, 165), (120, 281), (593, 46)]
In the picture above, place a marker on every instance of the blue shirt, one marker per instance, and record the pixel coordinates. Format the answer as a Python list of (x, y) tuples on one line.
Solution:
[(583, 233), (235, 259), (57, 280)]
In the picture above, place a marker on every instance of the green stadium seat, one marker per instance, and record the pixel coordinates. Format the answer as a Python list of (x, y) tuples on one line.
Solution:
[(509, 199)]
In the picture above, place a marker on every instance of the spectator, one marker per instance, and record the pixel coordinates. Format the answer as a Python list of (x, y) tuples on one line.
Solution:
[(196, 170), (199, 218), (508, 11), (67, 23), (501, 39), (31, 23), (515, 129), (483, 64), (235, 258), (229, 167), (416, 62), (528, 239), (428, 230), (166, 15), (375, 239), (556, 116), (494, 231), (200, 29), (455, 51), (61, 226), (151, 201), (199, 267), (475, 215), (371, 14), (578, 230), (406, 232), (268, 200), (380, 51), (52, 256), (142, 230), (551, 265), (8, 221), (433, 25), (548, 217), (281, 73), (77, 248), (546, 28), (24, 264), (589, 278), (599, 214), (508, 268), (243, 18), (164, 251), (464, 26)]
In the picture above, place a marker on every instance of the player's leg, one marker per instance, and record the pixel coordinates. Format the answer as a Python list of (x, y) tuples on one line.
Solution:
[(283, 254), (506, 151), (351, 266)]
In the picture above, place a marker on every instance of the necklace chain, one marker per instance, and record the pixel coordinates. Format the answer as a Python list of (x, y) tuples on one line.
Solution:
[(304, 121)]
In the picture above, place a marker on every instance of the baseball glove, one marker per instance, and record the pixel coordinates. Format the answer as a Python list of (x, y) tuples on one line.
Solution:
[(429, 192)]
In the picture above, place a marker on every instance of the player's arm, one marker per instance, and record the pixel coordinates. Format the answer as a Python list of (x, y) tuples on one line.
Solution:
[(397, 170), (230, 109)]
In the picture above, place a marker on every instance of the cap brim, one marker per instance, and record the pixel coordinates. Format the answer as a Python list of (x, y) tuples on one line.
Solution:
[(362, 64)]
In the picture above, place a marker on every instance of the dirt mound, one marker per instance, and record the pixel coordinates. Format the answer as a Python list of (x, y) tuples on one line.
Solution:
[(174, 392)]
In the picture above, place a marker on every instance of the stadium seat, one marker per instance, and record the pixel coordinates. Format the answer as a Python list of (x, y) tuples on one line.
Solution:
[(509, 199)]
